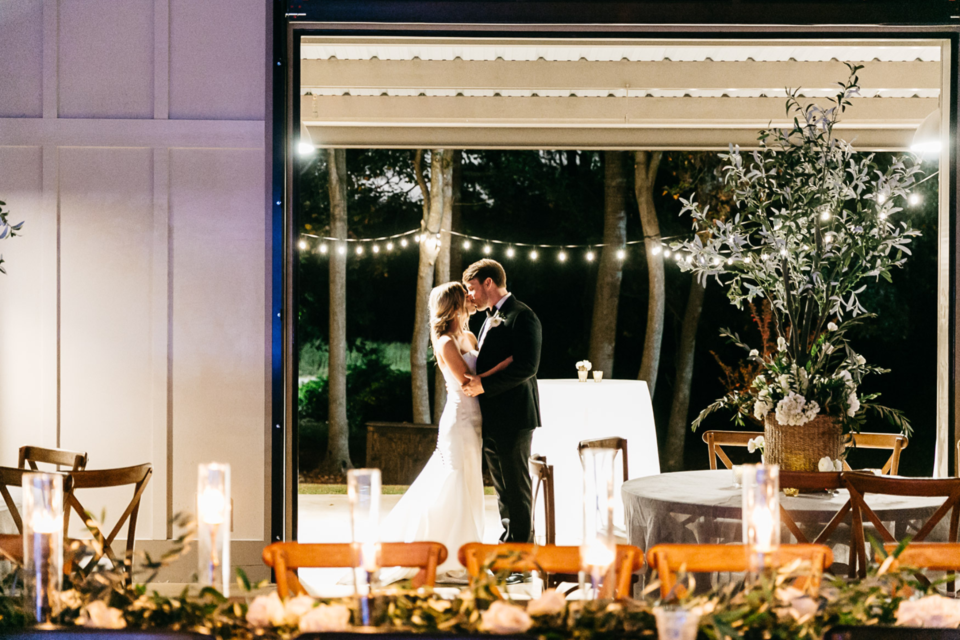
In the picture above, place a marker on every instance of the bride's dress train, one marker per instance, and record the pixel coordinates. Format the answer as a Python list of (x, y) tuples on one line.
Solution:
[(445, 502)]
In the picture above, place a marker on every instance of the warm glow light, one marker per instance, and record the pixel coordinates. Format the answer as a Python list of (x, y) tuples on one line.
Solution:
[(342, 249), (466, 244), (304, 148), (389, 246), (562, 257), (783, 251), (597, 555), (323, 248), (881, 198), (403, 242), (376, 249), (487, 250), (590, 256), (416, 238), (825, 215), (359, 250), (666, 253), (302, 244), (621, 254), (212, 506), (914, 199), (657, 249), (510, 252), (534, 254)]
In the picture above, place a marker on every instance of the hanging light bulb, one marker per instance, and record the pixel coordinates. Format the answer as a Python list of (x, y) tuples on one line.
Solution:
[(562, 256), (323, 248), (486, 249), (881, 198), (403, 242), (825, 214), (666, 253), (534, 254), (376, 249), (621, 254), (305, 149), (590, 256), (914, 199), (342, 249), (829, 238), (883, 215), (389, 246), (302, 244), (927, 137), (657, 249), (416, 238), (510, 252), (466, 244), (359, 250)]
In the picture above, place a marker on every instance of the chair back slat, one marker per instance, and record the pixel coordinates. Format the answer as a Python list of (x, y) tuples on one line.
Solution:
[(937, 556), (892, 441), (542, 474), (286, 558), (609, 443), (716, 440), (30, 456), (861, 484), (516, 556), (668, 559)]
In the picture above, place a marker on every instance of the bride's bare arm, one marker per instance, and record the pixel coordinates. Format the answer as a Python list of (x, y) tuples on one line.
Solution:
[(500, 367), (451, 357)]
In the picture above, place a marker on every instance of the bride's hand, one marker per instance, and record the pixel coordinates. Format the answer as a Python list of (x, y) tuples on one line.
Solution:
[(473, 386)]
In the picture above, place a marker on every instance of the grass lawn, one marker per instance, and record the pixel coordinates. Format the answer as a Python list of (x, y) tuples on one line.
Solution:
[(341, 489)]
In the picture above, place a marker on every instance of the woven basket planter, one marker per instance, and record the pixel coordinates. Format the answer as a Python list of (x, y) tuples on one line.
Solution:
[(799, 448)]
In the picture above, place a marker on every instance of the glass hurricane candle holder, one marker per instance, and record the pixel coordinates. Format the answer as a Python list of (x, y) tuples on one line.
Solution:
[(676, 623), (597, 376), (43, 544), (761, 513), (363, 490), (213, 526), (598, 550)]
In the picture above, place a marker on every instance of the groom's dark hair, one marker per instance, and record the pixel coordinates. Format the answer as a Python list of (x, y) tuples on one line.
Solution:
[(486, 268)]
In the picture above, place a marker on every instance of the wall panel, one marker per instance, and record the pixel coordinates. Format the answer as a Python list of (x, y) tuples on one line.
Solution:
[(21, 58), (228, 36), (21, 182), (218, 235), (106, 58), (106, 236)]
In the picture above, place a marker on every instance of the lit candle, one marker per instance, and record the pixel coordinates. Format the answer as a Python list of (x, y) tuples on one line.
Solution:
[(761, 513), (598, 549), (213, 536), (43, 543)]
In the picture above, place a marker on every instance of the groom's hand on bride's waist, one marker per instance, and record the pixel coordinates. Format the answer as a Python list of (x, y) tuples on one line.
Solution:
[(473, 386)]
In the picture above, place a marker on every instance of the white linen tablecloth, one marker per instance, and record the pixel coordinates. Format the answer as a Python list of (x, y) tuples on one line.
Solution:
[(572, 411)]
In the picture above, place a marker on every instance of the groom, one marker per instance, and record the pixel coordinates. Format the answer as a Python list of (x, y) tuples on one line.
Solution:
[(509, 402)]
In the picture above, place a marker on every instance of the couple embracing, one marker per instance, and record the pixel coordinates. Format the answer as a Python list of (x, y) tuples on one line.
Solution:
[(492, 409)]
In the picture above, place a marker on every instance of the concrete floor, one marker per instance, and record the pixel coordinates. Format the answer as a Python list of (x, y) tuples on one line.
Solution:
[(326, 518)]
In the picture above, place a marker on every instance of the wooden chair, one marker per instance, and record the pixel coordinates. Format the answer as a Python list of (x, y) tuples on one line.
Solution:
[(551, 559), (609, 443), (860, 484), (287, 558), (938, 556), (138, 476), (815, 481), (11, 544), (75, 460), (893, 441), (717, 439), (668, 559), (542, 474)]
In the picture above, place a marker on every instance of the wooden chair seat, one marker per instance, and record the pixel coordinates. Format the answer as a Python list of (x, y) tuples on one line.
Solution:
[(668, 559), (549, 558), (287, 558)]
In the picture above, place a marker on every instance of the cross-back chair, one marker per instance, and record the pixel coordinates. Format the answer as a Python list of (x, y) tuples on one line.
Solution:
[(668, 559), (11, 544), (861, 484), (542, 474), (30, 456), (892, 441), (716, 440), (138, 477), (287, 558), (619, 444), (516, 556)]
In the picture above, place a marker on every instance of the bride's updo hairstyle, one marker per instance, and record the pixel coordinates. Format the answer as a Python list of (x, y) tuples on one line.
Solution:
[(448, 304)]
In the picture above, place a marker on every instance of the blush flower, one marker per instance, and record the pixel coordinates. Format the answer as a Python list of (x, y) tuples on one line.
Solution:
[(503, 619)]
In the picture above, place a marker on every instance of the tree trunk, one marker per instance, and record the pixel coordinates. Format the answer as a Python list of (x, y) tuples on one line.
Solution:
[(603, 329), (672, 459), (456, 245), (645, 175), (429, 228), (338, 450), (441, 188)]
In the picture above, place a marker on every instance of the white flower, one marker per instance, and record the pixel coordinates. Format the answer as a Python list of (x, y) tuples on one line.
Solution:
[(502, 618), (931, 611), (295, 608), (97, 615), (326, 617), (831, 326), (781, 344), (825, 464), (845, 375), (761, 409), (800, 604), (584, 365), (755, 443), (550, 602), (784, 381), (754, 353), (496, 319), (861, 360), (829, 348), (70, 599), (838, 465), (795, 410), (853, 404), (266, 610)]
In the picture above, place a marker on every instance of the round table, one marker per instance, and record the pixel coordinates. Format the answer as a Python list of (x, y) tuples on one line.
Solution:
[(706, 507)]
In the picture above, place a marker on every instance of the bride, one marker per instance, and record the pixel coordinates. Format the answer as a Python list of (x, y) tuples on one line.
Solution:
[(445, 502)]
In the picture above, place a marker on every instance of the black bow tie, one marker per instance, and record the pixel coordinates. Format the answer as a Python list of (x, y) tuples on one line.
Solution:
[(491, 312)]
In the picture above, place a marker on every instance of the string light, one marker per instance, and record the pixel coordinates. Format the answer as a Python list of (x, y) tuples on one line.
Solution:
[(534, 254), (376, 249), (487, 250), (466, 244), (403, 242), (510, 252), (590, 256), (359, 250), (303, 245), (914, 199), (621, 254), (416, 238), (389, 246), (342, 249), (657, 249), (666, 253), (882, 198), (825, 214), (562, 256), (323, 248)]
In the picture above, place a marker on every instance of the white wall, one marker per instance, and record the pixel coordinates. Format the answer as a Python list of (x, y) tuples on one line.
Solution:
[(134, 320)]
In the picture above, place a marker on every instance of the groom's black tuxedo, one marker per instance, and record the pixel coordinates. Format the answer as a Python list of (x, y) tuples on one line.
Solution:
[(510, 405)]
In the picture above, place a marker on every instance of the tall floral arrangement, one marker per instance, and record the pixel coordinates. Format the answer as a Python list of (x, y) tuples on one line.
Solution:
[(816, 223), (7, 230)]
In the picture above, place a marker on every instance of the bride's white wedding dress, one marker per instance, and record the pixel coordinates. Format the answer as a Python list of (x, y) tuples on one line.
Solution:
[(445, 502)]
